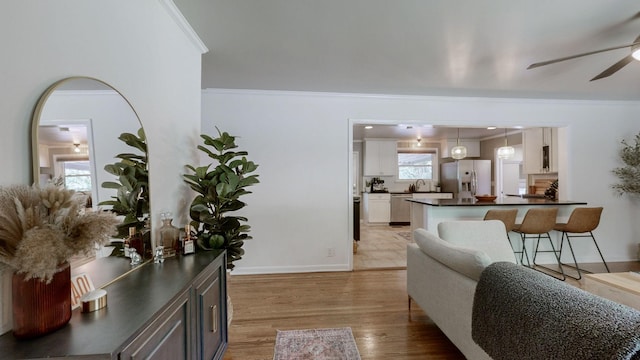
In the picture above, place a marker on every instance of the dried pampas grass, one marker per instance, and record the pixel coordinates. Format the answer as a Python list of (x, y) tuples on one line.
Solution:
[(40, 228)]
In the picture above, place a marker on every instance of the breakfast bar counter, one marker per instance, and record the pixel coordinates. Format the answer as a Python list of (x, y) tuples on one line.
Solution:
[(428, 213)]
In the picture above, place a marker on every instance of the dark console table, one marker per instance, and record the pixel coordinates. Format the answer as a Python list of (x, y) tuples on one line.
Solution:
[(171, 310)]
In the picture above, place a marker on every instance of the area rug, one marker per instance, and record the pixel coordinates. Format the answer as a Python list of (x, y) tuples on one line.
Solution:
[(405, 235), (316, 344)]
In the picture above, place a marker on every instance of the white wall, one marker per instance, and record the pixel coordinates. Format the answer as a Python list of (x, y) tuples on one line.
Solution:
[(302, 143), (136, 47)]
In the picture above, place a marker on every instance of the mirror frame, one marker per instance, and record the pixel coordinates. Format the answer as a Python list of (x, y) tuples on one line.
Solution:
[(37, 113)]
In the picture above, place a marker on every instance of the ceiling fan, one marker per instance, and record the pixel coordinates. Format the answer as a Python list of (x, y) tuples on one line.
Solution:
[(635, 54)]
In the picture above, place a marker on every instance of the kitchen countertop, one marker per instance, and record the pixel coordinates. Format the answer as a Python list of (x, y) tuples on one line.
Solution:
[(506, 201), (415, 192)]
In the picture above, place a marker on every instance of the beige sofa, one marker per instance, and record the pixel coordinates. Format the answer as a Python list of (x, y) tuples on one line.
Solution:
[(443, 270)]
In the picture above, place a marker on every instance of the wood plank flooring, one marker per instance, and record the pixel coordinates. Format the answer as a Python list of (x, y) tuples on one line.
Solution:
[(372, 303), (382, 247)]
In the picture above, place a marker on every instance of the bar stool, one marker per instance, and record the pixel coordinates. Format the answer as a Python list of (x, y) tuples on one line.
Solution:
[(538, 222), (582, 220), (508, 217)]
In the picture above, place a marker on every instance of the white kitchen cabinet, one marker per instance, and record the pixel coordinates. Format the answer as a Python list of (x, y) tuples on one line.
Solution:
[(533, 141), (380, 157), (435, 195), (377, 207), (473, 147)]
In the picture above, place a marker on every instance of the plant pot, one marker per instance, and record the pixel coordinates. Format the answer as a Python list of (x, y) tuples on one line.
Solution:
[(40, 308)]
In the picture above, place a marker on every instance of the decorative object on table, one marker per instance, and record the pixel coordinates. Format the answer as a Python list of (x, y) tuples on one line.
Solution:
[(132, 185), (169, 235), (136, 243), (629, 174), (42, 228), (136, 259), (485, 198), (94, 300), (552, 191), (158, 255), (219, 192), (187, 242), (318, 344)]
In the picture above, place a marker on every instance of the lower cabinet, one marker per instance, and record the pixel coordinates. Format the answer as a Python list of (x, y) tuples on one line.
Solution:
[(377, 208), (193, 326), (211, 322), (167, 337)]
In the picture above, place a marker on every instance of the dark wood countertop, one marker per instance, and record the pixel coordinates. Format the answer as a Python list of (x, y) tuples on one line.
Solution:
[(504, 201), (132, 302)]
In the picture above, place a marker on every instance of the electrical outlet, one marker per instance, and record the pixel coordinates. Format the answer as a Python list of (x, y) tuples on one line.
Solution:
[(331, 252)]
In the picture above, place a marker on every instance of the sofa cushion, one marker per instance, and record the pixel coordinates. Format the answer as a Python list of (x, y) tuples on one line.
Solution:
[(466, 261), (489, 236)]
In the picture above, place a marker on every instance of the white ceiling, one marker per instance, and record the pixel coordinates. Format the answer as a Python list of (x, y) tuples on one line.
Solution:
[(418, 47)]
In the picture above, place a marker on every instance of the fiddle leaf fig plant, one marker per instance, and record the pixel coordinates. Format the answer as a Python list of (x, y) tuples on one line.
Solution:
[(132, 184), (629, 174), (213, 210)]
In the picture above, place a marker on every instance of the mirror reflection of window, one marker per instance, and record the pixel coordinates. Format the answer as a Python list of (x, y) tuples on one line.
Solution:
[(77, 175)]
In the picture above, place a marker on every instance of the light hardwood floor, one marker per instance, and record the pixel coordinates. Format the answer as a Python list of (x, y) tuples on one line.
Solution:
[(382, 247), (372, 303)]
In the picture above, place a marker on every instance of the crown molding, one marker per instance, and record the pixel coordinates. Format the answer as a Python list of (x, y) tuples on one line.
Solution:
[(184, 25)]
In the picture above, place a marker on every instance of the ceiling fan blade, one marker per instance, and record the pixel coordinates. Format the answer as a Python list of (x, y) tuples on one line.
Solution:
[(538, 64), (615, 67)]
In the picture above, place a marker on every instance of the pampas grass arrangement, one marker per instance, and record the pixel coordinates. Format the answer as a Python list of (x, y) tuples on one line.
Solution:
[(41, 228)]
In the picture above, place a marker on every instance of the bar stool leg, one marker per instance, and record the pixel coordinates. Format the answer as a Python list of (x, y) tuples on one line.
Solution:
[(575, 261), (573, 255), (555, 254), (523, 253)]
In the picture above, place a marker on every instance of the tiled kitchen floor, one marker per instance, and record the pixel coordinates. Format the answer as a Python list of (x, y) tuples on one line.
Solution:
[(382, 247)]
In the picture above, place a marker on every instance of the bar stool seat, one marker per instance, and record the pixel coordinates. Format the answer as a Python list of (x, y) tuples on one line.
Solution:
[(581, 223), (537, 224)]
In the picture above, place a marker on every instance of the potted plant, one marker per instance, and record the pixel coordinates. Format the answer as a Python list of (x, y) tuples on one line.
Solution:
[(219, 190), (42, 228), (629, 174), (132, 185)]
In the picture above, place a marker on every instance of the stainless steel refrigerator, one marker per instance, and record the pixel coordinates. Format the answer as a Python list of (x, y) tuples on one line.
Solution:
[(466, 178)]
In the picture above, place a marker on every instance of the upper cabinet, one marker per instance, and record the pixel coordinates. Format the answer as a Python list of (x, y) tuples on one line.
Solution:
[(473, 147), (380, 157), (540, 147)]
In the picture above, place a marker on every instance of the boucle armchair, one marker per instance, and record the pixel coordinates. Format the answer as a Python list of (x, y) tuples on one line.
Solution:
[(442, 273)]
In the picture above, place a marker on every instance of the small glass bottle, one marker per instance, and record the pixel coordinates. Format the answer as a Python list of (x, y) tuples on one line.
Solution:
[(169, 235), (126, 245), (188, 246), (135, 241)]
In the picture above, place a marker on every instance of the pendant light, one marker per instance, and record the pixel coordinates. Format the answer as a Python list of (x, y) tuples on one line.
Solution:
[(506, 151), (459, 151)]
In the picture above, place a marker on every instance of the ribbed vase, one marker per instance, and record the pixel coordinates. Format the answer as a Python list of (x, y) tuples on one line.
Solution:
[(40, 308)]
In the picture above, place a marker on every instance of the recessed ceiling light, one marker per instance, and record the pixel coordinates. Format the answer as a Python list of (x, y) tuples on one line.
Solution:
[(491, 127), (368, 127)]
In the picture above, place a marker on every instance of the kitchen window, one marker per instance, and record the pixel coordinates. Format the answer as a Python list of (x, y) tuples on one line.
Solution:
[(417, 164)]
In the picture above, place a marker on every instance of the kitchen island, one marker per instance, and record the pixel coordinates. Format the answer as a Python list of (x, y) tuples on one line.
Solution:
[(428, 213)]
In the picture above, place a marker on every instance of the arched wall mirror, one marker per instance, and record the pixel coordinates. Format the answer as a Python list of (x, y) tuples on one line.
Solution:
[(75, 130)]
